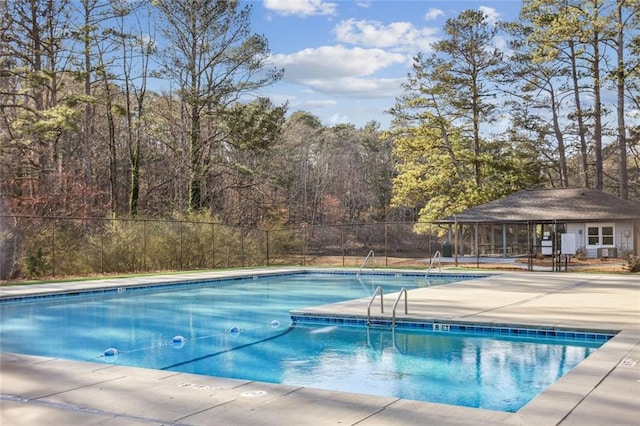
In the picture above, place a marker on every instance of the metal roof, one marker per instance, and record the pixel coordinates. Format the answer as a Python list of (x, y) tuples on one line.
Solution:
[(548, 205)]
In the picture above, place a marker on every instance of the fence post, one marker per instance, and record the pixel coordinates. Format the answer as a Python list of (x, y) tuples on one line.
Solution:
[(213, 245), (180, 258), (266, 232), (342, 243), (430, 238), (53, 246), (386, 245), (455, 238), (144, 245), (242, 247), (304, 242), (102, 248)]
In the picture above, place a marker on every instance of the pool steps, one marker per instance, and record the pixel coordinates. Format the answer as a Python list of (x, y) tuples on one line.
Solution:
[(373, 297), (403, 290), (437, 256), (364, 262)]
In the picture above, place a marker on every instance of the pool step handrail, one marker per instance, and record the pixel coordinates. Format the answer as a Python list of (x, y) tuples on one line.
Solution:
[(373, 256), (395, 305), (436, 255), (373, 297)]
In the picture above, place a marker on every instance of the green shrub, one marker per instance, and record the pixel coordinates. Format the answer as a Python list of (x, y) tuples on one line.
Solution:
[(71, 248), (36, 264), (120, 244), (284, 246)]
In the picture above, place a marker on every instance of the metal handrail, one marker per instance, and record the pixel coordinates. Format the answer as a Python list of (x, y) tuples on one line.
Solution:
[(373, 296), (395, 305), (370, 254), (433, 259)]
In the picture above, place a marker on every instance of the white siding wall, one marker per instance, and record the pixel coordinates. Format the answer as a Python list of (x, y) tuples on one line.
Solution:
[(623, 237)]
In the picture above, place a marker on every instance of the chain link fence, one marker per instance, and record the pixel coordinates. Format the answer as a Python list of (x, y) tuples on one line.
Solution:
[(38, 247)]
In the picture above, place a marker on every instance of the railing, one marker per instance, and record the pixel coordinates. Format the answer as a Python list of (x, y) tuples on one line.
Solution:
[(395, 305), (433, 259), (373, 297), (372, 255)]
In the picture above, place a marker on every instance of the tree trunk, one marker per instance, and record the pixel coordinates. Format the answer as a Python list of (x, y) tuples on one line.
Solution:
[(134, 194), (113, 165), (620, 80), (476, 133), (195, 187), (87, 119), (562, 156), (597, 107), (579, 116), (41, 148)]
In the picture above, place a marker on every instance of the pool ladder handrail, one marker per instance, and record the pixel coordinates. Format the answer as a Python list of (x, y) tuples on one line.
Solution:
[(373, 297), (373, 256), (436, 255), (395, 305)]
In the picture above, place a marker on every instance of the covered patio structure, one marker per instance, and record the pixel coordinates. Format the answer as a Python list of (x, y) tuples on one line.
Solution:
[(552, 223)]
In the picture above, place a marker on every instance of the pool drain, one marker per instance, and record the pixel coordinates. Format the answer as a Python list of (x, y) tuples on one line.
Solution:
[(253, 394), (198, 387), (628, 362)]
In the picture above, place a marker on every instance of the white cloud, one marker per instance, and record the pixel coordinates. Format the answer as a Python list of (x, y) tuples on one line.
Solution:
[(295, 102), (336, 119), (364, 4), (433, 14), (281, 98), (301, 7), (493, 16), (502, 43), (329, 62), (359, 87), (342, 71), (400, 36), (314, 104)]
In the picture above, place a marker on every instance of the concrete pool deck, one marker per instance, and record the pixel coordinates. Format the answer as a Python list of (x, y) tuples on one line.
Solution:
[(603, 389)]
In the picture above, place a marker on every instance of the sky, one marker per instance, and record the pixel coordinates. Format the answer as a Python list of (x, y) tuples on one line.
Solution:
[(345, 60)]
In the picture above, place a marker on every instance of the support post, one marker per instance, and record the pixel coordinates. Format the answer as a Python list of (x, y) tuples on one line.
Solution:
[(504, 240)]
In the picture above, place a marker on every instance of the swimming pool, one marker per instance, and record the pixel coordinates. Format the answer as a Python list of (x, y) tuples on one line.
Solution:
[(242, 329)]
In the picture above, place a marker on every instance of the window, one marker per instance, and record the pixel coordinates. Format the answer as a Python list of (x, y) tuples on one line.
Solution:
[(600, 235)]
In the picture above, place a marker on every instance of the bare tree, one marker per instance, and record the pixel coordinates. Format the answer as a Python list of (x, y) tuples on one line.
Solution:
[(213, 58)]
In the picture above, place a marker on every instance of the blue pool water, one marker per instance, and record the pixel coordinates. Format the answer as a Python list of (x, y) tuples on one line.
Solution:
[(242, 329)]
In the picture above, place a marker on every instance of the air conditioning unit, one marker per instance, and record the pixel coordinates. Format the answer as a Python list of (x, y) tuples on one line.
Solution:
[(606, 252)]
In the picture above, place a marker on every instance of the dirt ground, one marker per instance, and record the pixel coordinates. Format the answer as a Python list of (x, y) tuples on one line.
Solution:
[(519, 264)]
